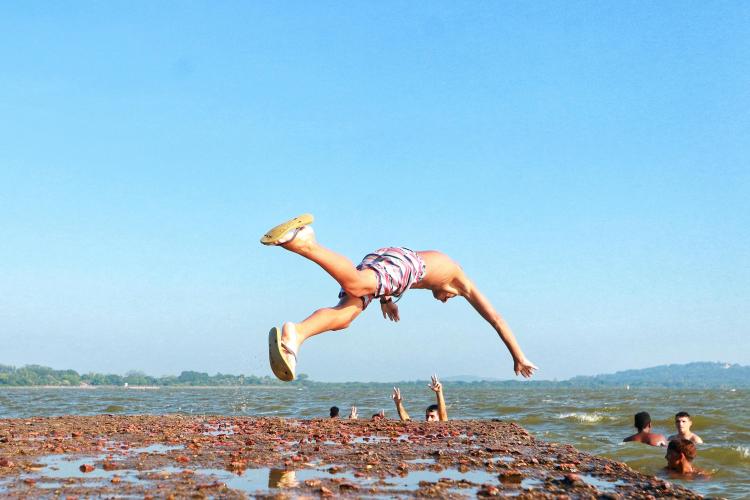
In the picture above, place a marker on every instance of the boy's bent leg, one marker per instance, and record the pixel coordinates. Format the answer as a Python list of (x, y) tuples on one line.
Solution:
[(322, 320)]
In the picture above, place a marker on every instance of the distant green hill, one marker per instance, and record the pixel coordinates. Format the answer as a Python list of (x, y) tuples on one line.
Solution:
[(699, 375)]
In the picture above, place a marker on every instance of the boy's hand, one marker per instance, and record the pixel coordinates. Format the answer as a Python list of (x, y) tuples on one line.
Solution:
[(396, 395), (353, 414), (435, 385), (390, 310), (524, 367)]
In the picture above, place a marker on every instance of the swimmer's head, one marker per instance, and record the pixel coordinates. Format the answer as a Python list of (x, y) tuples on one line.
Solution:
[(683, 422), (431, 414), (642, 420), (677, 450), (334, 411)]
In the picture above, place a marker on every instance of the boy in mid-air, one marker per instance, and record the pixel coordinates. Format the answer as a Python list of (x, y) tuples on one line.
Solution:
[(383, 274)]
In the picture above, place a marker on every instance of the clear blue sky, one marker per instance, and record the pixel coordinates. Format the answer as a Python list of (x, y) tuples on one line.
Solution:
[(586, 162)]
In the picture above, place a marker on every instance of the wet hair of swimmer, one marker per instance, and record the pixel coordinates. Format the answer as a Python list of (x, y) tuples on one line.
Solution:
[(642, 420), (334, 411), (429, 410), (682, 414), (684, 446)]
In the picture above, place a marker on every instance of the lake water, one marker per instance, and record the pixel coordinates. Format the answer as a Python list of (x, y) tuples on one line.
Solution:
[(593, 420)]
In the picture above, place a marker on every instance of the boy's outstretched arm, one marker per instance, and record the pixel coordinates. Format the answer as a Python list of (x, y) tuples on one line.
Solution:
[(478, 301), (399, 404), (438, 388)]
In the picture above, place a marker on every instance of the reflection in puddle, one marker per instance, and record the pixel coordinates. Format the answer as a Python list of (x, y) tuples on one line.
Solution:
[(253, 480), (282, 478)]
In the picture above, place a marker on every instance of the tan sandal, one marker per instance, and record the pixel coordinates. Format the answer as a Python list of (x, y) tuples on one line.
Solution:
[(275, 236), (279, 355)]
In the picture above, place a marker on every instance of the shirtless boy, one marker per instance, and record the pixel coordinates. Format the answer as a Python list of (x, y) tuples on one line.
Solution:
[(644, 435), (384, 274), (433, 413), (683, 422)]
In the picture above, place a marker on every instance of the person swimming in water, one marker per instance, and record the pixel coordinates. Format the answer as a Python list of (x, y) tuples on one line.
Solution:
[(680, 455), (683, 422), (644, 434), (433, 413), (385, 274)]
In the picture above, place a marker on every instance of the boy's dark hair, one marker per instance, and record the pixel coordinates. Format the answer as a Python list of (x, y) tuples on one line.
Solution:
[(334, 411), (642, 419), (431, 408), (684, 446), (682, 414)]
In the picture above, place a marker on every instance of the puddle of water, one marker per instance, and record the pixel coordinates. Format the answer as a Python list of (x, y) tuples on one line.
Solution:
[(217, 430), (529, 483), (57, 467), (157, 448), (66, 466), (378, 439), (252, 480), (601, 484)]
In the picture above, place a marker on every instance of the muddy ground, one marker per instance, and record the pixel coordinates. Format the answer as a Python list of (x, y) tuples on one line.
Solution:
[(230, 457)]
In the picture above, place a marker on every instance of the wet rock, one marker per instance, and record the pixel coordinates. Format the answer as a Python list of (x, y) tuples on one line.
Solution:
[(325, 492), (511, 476), (488, 490)]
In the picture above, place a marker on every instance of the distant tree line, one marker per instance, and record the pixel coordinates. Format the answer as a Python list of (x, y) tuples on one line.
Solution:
[(35, 375), (699, 375)]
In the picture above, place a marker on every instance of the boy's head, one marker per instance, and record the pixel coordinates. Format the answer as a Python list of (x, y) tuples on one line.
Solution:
[(642, 420), (334, 411), (683, 422), (680, 450), (431, 414)]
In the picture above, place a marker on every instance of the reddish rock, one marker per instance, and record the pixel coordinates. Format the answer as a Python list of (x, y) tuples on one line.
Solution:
[(325, 492), (488, 490)]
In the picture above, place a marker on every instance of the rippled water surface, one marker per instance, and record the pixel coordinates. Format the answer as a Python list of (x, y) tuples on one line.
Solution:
[(592, 420)]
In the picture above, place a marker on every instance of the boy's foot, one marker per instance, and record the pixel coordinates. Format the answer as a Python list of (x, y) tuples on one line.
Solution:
[(286, 232), (297, 240), (282, 350)]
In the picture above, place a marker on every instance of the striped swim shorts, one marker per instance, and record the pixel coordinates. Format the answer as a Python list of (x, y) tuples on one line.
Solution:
[(396, 269)]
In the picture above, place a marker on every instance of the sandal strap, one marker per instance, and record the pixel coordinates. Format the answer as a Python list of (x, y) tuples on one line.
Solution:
[(289, 351)]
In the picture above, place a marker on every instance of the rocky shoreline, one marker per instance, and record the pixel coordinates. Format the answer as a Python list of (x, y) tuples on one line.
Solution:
[(240, 457)]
